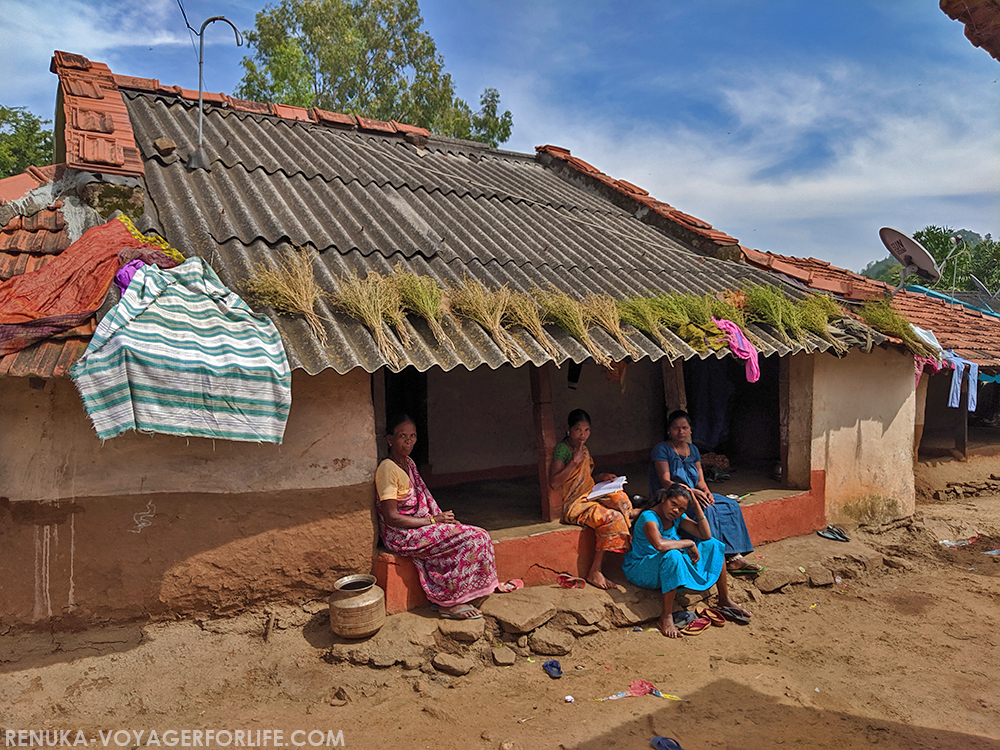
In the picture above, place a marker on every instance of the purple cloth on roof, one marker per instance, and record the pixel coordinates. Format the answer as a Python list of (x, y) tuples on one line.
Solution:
[(741, 347), (124, 276)]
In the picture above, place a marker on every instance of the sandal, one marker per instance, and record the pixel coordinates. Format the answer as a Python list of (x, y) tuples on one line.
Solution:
[(460, 613), (512, 585), (713, 615), (570, 582), (553, 669), (665, 743), (746, 568), (695, 627), (683, 618), (734, 615)]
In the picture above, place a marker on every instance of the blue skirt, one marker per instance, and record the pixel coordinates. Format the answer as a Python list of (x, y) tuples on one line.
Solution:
[(725, 519), (674, 568)]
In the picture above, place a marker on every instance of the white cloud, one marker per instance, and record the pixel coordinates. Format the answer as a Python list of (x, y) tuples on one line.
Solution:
[(894, 152)]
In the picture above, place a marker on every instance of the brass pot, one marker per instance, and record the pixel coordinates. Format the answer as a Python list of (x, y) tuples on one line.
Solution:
[(357, 606)]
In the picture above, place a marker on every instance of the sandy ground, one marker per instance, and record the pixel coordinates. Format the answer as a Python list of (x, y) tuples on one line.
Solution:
[(902, 655)]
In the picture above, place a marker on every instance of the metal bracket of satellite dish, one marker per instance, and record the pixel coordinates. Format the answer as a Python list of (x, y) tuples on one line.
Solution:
[(984, 293), (912, 256)]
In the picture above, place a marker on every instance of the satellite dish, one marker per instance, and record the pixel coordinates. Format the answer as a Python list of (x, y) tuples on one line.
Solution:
[(916, 261), (984, 293)]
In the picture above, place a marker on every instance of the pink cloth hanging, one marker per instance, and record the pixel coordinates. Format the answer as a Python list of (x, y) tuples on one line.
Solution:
[(741, 347), (920, 362)]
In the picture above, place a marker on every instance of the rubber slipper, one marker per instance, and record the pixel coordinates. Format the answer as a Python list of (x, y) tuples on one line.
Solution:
[(695, 627), (512, 585), (748, 571), (713, 615), (683, 618), (553, 669), (459, 614), (734, 615), (570, 582), (827, 534), (665, 743), (839, 533)]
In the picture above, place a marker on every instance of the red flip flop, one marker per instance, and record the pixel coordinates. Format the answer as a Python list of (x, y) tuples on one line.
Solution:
[(713, 615), (570, 582), (512, 585), (697, 626)]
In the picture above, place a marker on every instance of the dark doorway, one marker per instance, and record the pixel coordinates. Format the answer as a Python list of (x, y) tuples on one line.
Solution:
[(406, 392), (730, 415)]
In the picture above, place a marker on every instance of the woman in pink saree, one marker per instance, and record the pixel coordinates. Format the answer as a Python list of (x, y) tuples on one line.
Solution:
[(454, 560)]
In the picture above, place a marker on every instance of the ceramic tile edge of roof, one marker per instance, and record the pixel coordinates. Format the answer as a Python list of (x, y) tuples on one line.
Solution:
[(977, 30), (93, 131), (678, 218), (313, 115), (91, 80)]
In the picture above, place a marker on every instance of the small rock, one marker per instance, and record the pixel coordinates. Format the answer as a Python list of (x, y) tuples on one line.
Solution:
[(509, 745), (453, 665), (466, 631), (427, 668), (358, 656), (382, 661), (581, 630), (551, 642), (819, 575), (421, 686), (774, 580), (412, 662), (337, 702), (436, 712), (522, 641), (586, 606), (520, 611), (344, 693), (165, 146), (315, 606), (897, 562), (630, 607), (503, 657)]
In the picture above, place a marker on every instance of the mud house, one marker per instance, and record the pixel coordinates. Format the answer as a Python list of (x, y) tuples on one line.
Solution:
[(960, 323), (160, 526)]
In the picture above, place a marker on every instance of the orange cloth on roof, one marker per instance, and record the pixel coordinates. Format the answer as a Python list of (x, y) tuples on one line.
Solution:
[(74, 283)]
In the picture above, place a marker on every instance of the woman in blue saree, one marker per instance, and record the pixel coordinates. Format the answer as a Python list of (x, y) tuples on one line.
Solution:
[(678, 460)]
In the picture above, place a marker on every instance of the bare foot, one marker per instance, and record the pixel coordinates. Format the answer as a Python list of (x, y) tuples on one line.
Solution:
[(597, 579), (734, 605), (667, 627)]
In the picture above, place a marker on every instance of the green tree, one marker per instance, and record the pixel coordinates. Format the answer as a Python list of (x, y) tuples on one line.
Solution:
[(368, 57), (24, 141)]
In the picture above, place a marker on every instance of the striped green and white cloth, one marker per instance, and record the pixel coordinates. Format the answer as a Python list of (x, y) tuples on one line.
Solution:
[(183, 355)]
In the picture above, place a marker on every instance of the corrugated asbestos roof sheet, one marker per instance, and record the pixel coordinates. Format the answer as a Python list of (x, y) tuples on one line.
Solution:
[(445, 209)]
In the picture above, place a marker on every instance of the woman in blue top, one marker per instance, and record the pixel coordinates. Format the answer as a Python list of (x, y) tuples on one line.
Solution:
[(678, 460), (660, 559)]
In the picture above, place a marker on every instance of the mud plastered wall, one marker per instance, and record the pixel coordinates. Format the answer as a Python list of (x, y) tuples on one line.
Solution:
[(863, 416), (164, 526)]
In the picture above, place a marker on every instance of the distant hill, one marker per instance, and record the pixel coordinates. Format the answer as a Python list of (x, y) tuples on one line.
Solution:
[(882, 270)]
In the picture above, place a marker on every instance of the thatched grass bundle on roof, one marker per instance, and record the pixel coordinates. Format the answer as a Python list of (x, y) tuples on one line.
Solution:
[(290, 289)]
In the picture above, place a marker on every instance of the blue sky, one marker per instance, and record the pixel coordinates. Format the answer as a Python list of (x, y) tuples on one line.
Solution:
[(798, 127)]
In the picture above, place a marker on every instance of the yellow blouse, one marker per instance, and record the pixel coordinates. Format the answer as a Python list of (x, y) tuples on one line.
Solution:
[(391, 482)]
